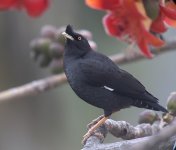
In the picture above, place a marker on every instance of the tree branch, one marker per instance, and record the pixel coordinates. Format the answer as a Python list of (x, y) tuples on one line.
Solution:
[(33, 88), (39, 86), (161, 139), (126, 131), (136, 55)]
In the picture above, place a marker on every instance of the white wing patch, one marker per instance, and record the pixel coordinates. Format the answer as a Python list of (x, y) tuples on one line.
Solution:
[(108, 88)]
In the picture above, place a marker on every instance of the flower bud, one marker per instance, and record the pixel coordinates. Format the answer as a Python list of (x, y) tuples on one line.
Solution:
[(148, 116), (43, 60), (167, 117), (41, 45), (171, 103), (56, 50), (34, 55), (56, 66), (48, 49), (59, 37), (93, 45), (61, 29), (48, 31), (34, 52), (33, 44)]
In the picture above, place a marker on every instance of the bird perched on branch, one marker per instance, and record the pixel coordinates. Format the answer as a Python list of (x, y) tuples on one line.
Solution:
[(98, 81)]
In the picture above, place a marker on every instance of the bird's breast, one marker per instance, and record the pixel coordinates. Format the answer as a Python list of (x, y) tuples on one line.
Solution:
[(73, 74)]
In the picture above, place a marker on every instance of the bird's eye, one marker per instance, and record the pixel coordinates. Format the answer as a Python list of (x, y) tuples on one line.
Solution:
[(79, 38)]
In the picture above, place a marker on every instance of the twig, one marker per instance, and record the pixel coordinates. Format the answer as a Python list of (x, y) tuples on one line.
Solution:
[(136, 55), (39, 86), (126, 131), (162, 140), (95, 144), (33, 88)]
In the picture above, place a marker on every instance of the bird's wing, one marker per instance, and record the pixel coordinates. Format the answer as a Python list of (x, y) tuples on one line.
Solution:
[(128, 82), (107, 74)]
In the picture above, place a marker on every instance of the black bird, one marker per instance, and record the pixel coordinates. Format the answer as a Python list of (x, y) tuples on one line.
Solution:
[(98, 81)]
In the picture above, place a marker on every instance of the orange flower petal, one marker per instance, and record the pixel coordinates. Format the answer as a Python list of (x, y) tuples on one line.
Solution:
[(170, 22), (146, 20), (158, 25), (113, 25), (153, 40), (168, 11), (127, 20), (103, 4), (5, 4), (133, 9), (36, 7), (171, 4), (144, 48)]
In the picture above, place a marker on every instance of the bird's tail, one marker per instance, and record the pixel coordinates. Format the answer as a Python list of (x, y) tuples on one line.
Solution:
[(148, 101), (149, 105), (149, 97)]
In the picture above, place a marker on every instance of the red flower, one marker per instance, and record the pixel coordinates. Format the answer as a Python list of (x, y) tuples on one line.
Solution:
[(127, 18), (33, 7), (168, 13)]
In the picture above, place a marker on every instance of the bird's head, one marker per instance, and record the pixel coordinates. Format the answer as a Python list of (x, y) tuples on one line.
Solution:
[(76, 43)]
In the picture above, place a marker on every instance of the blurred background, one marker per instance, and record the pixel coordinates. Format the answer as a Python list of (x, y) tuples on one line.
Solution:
[(57, 119)]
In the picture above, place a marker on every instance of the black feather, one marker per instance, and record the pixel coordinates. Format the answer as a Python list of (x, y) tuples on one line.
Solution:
[(88, 72)]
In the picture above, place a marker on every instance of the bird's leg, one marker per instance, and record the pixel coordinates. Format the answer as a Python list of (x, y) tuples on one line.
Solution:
[(94, 127), (95, 121)]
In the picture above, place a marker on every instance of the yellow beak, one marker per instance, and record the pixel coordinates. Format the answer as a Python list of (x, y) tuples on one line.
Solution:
[(67, 36)]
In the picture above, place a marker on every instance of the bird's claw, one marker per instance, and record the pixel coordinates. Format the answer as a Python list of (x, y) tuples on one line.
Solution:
[(91, 130)]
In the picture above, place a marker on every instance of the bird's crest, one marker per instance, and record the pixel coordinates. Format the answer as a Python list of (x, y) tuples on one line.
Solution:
[(69, 30)]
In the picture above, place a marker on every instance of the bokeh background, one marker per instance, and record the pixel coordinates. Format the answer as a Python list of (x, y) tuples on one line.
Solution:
[(57, 119)]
